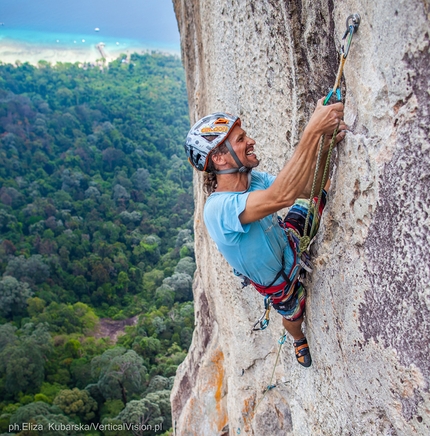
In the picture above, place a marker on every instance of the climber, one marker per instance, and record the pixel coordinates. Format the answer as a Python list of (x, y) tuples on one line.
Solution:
[(241, 211)]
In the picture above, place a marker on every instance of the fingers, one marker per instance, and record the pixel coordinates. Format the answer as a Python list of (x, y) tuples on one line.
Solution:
[(341, 133), (334, 106), (343, 128), (340, 136), (334, 113)]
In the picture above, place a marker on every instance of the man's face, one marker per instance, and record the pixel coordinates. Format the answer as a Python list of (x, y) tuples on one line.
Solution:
[(243, 146)]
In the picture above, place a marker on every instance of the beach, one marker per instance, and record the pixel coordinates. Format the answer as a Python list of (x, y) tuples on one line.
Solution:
[(12, 51), (70, 31)]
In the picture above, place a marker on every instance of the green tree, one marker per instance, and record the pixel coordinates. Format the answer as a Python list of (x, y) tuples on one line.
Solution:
[(35, 306), (76, 403), (164, 296), (140, 179), (160, 383), (120, 373), (142, 413), (32, 270), (22, 362), (153, 409), (7, 335), (13, 296), (69, 318), (181, 283), (186, 265)]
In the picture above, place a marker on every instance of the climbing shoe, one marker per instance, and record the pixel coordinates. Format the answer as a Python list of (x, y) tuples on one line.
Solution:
[(303, 355)]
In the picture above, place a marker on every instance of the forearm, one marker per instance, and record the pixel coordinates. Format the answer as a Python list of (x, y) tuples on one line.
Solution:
[(296, 178), (312, 162), (307, 192)]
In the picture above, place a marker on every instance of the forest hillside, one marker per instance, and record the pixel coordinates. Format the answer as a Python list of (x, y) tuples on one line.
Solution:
[(96, 243)]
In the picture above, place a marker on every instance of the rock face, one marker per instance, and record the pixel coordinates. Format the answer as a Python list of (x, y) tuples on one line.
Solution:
[(369, 295)]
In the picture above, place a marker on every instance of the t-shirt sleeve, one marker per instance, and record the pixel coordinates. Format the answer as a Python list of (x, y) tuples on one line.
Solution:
[(234, 205), (222, 213)]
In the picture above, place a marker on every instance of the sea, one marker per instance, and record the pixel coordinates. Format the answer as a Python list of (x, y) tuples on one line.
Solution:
[(80, 24)]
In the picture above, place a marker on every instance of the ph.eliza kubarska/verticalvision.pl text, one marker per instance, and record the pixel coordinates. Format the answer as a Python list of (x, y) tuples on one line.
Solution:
[(27, 426)]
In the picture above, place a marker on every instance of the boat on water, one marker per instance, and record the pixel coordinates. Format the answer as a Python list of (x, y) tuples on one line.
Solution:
[(97, 29)]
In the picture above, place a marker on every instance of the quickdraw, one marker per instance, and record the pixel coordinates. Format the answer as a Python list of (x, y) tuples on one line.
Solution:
[(263, 321), (352, 24)]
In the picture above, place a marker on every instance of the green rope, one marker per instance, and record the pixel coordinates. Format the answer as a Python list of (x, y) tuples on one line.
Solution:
[(325, 175), (305, 240)]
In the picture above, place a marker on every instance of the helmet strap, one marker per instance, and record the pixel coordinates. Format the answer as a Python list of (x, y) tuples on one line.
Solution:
[(240, 167)]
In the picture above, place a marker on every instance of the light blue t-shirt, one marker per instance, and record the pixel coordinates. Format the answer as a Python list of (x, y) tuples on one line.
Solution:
[(254, 249)]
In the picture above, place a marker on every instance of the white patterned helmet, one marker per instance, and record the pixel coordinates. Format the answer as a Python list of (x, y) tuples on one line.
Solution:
[(207, 134)]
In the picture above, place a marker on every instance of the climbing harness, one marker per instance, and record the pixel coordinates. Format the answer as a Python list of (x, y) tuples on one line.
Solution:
[(279, 292), (302, 259)]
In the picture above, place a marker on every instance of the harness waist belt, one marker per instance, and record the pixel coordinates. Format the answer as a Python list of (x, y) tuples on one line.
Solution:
[(269, 290)]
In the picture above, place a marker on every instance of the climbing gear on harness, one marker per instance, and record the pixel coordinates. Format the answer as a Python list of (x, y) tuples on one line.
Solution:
[(207, 134), (352, 24), (263, 321), (275, 294), (303, 355)]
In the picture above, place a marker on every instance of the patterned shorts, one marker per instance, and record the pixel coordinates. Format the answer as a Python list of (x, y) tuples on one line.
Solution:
[(291, 305)]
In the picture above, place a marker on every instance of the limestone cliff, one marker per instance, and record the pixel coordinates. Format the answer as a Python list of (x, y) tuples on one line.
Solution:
[(369, 296)]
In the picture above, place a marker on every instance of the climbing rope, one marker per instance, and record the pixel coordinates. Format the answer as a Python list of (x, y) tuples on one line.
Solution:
[(270, 386), (352, 24)]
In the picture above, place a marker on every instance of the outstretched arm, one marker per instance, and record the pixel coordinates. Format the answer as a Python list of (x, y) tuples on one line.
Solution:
[(295, 178)]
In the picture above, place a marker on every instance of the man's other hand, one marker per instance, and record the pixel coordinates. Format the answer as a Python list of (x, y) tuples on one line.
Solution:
[(341, 133)]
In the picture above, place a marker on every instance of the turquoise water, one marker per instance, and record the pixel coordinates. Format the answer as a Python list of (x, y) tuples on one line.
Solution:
[(81, 40), (149, 24)]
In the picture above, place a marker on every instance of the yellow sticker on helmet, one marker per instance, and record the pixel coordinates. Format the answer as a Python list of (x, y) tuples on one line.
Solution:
[(214, 129)]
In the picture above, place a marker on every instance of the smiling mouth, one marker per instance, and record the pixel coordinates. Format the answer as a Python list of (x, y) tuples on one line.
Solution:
[(250, 152)]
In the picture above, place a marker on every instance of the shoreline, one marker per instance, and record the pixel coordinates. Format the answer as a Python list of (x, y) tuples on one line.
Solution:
[(13, 52)]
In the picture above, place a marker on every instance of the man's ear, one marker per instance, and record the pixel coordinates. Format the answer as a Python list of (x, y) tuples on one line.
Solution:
[(219, 159)]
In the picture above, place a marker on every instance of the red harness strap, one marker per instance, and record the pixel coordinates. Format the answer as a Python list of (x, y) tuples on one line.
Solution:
[(283, 288)]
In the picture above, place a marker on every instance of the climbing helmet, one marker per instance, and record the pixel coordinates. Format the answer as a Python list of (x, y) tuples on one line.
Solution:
[(207, 134)]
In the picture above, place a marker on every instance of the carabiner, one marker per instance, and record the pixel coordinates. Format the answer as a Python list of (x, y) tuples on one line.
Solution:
[(356, 20), (264, 319), (350, 30)]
